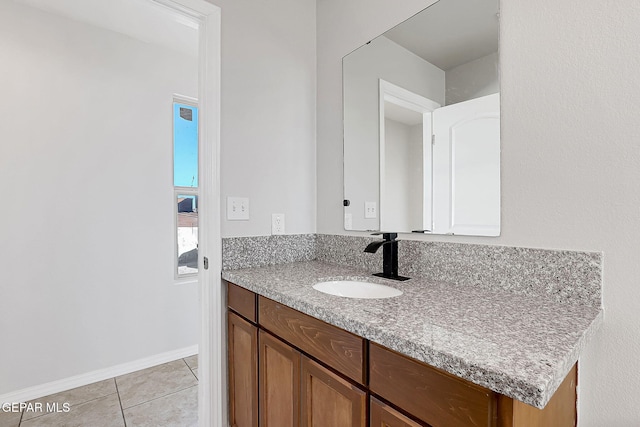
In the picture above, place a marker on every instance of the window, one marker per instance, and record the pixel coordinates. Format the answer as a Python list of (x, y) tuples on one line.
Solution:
[(185, 185)]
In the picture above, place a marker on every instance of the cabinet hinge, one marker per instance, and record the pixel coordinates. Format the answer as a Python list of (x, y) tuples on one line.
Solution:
[(433, 139)]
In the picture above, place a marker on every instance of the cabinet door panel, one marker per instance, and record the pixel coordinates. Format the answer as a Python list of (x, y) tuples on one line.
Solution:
[(437, 398), (341, 350), (328, 400), (279, 383), (243, 372), (384, 416)]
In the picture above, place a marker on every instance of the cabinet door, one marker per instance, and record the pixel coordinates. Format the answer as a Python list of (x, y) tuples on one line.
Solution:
[(433, 396), (279, 383), (328, 400), (335, 347), (243, 372), (385, 416)]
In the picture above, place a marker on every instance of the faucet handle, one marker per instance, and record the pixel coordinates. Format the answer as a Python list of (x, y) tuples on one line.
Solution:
[(389, 237)]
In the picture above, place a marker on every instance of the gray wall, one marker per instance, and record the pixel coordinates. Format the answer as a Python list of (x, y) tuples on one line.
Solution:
[(472, 80), (570, 159), (87, 255), (268, 131)]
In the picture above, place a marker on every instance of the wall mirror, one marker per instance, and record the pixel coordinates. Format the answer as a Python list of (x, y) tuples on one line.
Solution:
[(422, 124)]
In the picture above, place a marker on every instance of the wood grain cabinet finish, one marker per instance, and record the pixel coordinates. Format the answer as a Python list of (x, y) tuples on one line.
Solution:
[(242, 301), (243, 372), (341, 350), (328, 400), (279, 384), (294, 390), (382, 415), (433, 396), (561, 410)]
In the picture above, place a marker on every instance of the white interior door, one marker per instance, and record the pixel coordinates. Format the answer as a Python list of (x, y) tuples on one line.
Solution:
[(466, 167)]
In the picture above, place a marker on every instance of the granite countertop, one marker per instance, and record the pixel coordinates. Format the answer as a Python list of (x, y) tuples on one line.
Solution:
[(518, 345)]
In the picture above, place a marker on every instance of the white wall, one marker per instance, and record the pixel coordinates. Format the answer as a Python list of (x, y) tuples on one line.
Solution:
[(85, 170), (268, 113), (570, 157), (403, 177), (472, 80), (380, 59)]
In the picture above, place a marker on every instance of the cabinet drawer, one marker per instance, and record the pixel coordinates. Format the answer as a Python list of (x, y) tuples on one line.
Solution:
[(337, 348), (241, 301), (433, 396), (382, 415)]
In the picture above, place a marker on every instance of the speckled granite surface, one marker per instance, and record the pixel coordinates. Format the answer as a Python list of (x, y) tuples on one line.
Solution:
[(564, 276), (521, 345), (247, 252)]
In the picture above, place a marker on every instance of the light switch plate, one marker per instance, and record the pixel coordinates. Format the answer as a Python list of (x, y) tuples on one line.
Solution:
[(370, 210), (237, 208)]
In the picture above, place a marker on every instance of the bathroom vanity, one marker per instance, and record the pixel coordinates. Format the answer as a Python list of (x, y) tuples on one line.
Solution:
[(439, 354)]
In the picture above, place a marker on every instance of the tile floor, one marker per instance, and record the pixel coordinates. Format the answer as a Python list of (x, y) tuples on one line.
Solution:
[(164, 395)]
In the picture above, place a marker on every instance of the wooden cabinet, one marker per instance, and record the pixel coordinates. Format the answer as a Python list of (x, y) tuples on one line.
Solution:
[(442, 400), (242, 301), (313, 374), (243, 372), (382, 415), (296, 391), (341, 350), (328, 400), (560, 411), (434, 396), (279, 383)]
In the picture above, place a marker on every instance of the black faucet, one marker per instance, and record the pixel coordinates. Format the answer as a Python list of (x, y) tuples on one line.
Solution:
[(389, 255)]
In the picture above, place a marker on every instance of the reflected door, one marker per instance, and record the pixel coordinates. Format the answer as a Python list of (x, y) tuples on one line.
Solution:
[(466, 167)]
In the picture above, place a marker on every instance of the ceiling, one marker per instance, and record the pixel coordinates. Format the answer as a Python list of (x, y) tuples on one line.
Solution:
[(450, 32), (144, 20)]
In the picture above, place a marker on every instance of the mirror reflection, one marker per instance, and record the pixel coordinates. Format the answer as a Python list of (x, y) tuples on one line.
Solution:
[(422, 124)]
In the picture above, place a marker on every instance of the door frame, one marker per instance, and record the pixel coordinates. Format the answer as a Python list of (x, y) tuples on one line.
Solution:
[(389, 92), (212, 376)]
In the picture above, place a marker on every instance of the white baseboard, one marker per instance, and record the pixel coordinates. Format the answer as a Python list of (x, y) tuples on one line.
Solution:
[(65, 384)]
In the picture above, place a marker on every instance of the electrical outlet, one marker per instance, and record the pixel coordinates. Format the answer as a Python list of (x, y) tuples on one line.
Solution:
[(370, 210), (348, 221), (277, 223), (237, 208)]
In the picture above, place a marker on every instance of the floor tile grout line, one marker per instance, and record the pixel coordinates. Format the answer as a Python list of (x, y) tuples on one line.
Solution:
[(124, 420), (160, 397), (141, 373), (184, 359), (190, 368), (117, 392)]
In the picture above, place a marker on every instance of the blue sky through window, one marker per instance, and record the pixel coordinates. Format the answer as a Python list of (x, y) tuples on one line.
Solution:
[(185, 145)]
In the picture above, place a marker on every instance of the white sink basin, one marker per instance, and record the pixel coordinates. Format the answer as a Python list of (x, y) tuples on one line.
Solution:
[(353, 289)]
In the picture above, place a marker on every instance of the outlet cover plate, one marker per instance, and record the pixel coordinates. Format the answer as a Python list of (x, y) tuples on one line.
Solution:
[(277, 224)]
